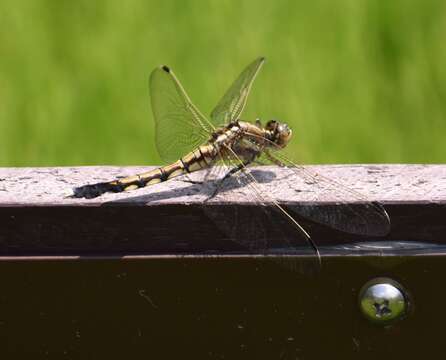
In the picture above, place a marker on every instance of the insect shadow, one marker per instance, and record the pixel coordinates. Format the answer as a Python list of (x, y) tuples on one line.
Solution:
[(206, 188)]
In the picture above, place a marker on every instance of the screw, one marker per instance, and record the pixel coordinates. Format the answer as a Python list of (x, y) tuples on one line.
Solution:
[(383, 300)]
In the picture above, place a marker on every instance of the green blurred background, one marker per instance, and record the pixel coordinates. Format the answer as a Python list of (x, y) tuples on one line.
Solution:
[(358, 80)]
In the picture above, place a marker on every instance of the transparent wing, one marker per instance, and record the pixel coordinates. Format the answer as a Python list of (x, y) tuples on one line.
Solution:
[(258, 222), (234, 100), (180, 126), (347, 210)]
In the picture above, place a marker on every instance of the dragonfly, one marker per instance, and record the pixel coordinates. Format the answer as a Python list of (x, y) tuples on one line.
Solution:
[(226, 144)]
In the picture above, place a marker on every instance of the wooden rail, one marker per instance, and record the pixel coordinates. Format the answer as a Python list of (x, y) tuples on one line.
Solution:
[(38, 218)]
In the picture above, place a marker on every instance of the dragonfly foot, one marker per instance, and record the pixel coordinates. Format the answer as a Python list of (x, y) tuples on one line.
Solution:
[(194, 182)]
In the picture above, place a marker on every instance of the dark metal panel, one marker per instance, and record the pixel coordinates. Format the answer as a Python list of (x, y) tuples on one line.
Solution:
[(213, 308)]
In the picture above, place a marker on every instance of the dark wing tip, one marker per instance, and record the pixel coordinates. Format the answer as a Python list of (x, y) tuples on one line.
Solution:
[(165, 68)]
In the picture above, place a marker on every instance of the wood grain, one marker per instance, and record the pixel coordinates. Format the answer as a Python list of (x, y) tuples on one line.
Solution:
[(384, 183)]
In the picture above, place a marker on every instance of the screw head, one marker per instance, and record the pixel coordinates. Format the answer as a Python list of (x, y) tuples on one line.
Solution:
[(383, 300)]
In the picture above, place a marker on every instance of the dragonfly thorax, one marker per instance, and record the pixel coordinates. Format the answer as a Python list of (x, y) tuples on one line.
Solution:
[(279, 133)]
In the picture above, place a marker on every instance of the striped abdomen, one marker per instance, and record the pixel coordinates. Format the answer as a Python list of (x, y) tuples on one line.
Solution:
[(198, 159)]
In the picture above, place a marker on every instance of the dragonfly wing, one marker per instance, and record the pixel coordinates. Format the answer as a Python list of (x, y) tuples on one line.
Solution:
[(344, 209), (180, 126), (258, 223), (231, 105)]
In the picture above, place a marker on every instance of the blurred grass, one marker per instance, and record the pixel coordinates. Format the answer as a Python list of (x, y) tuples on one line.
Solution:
[(358, 80)]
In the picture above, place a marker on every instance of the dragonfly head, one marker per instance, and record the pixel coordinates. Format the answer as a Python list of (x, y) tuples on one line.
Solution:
[(280, 133)]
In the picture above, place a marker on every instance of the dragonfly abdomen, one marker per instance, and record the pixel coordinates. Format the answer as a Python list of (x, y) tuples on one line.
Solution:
[(197, 159)]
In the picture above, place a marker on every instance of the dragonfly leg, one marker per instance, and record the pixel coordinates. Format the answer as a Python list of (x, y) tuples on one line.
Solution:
[(236, 169), (205, 180), (193, 182), (260, 162), (273, 159), (226, 177), (277, 162)]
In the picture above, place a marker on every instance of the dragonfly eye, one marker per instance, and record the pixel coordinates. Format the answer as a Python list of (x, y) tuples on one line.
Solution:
[(280, 132), (283, 135), (271, 125)]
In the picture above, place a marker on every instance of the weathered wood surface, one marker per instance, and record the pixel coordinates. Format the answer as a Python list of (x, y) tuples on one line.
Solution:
[(383, 183), (37, 216)]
